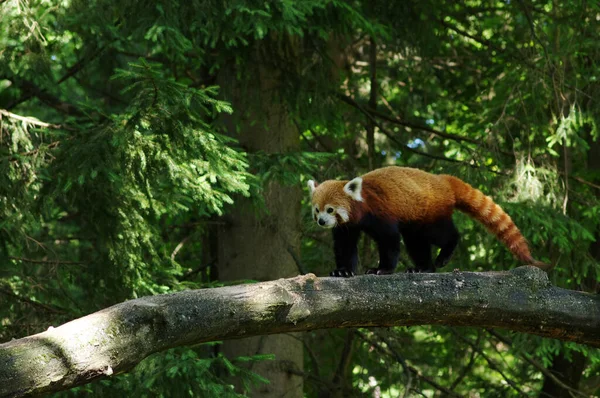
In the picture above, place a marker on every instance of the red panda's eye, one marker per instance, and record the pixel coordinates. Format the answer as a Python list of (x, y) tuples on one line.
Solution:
[(316, 210), (330, 210)]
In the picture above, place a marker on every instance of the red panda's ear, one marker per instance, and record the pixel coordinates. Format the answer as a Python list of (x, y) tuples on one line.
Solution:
[(312, 185), (354, 189)]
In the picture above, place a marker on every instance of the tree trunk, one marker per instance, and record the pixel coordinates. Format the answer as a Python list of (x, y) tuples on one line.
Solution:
[(568, 371), (256, 243)]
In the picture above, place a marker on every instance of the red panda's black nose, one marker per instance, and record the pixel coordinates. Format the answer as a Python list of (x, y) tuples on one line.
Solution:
[(321, 221)]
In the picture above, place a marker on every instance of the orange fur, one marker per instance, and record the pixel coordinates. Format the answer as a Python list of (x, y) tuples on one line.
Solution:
[(408, 195)]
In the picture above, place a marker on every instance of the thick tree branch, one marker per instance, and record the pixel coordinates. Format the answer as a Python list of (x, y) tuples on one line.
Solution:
[(388, 134), (115, 339), (33, 91), (370, 111), (9, 293), (391, 136)]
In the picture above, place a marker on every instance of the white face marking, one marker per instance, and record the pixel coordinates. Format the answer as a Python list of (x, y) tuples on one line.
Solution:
[(343, 213), (353, 188), (325, 218)]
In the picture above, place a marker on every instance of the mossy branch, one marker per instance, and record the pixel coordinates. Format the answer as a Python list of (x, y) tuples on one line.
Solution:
[(117, 338)]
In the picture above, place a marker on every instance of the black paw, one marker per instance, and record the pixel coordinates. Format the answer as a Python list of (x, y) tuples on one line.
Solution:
[(379, 271), (343, 273)]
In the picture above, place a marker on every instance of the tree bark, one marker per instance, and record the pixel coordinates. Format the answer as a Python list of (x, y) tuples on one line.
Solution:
[(115, 339), (256, 244)]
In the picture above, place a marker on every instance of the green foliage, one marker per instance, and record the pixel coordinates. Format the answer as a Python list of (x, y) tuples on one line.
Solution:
[(156, 160), (568, 131), (179, 372), (114, 164), (286, 168)]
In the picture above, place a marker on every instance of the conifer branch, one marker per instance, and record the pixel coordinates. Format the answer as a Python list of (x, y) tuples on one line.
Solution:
[(29, 260), (28, 120), (409, 368), (541, 368), (492, 364)]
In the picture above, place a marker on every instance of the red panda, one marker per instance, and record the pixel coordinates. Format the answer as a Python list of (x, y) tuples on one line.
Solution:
[(391, 202)]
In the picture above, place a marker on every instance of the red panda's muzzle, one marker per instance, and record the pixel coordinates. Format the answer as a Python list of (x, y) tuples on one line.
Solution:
[(326, 220)]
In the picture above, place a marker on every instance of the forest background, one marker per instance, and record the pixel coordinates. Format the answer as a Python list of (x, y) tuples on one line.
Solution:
[(148, 148)]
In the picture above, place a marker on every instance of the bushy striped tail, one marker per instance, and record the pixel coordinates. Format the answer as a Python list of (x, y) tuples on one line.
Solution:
[(482, 208)]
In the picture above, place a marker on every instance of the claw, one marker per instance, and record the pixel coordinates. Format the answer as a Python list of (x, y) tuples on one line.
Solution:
[(419, 271), (341, 273), (379, 271)]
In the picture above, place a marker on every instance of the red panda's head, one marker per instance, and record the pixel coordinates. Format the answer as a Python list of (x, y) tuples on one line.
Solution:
[(332, 200)]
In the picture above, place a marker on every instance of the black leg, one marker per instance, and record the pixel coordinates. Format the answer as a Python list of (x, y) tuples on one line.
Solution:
[(345, 248), (389, 253), (387, 237), (418, 247), (444, 235)]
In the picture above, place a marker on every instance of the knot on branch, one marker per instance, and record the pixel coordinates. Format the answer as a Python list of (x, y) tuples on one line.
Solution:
[(299, 309), (532, 277)]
